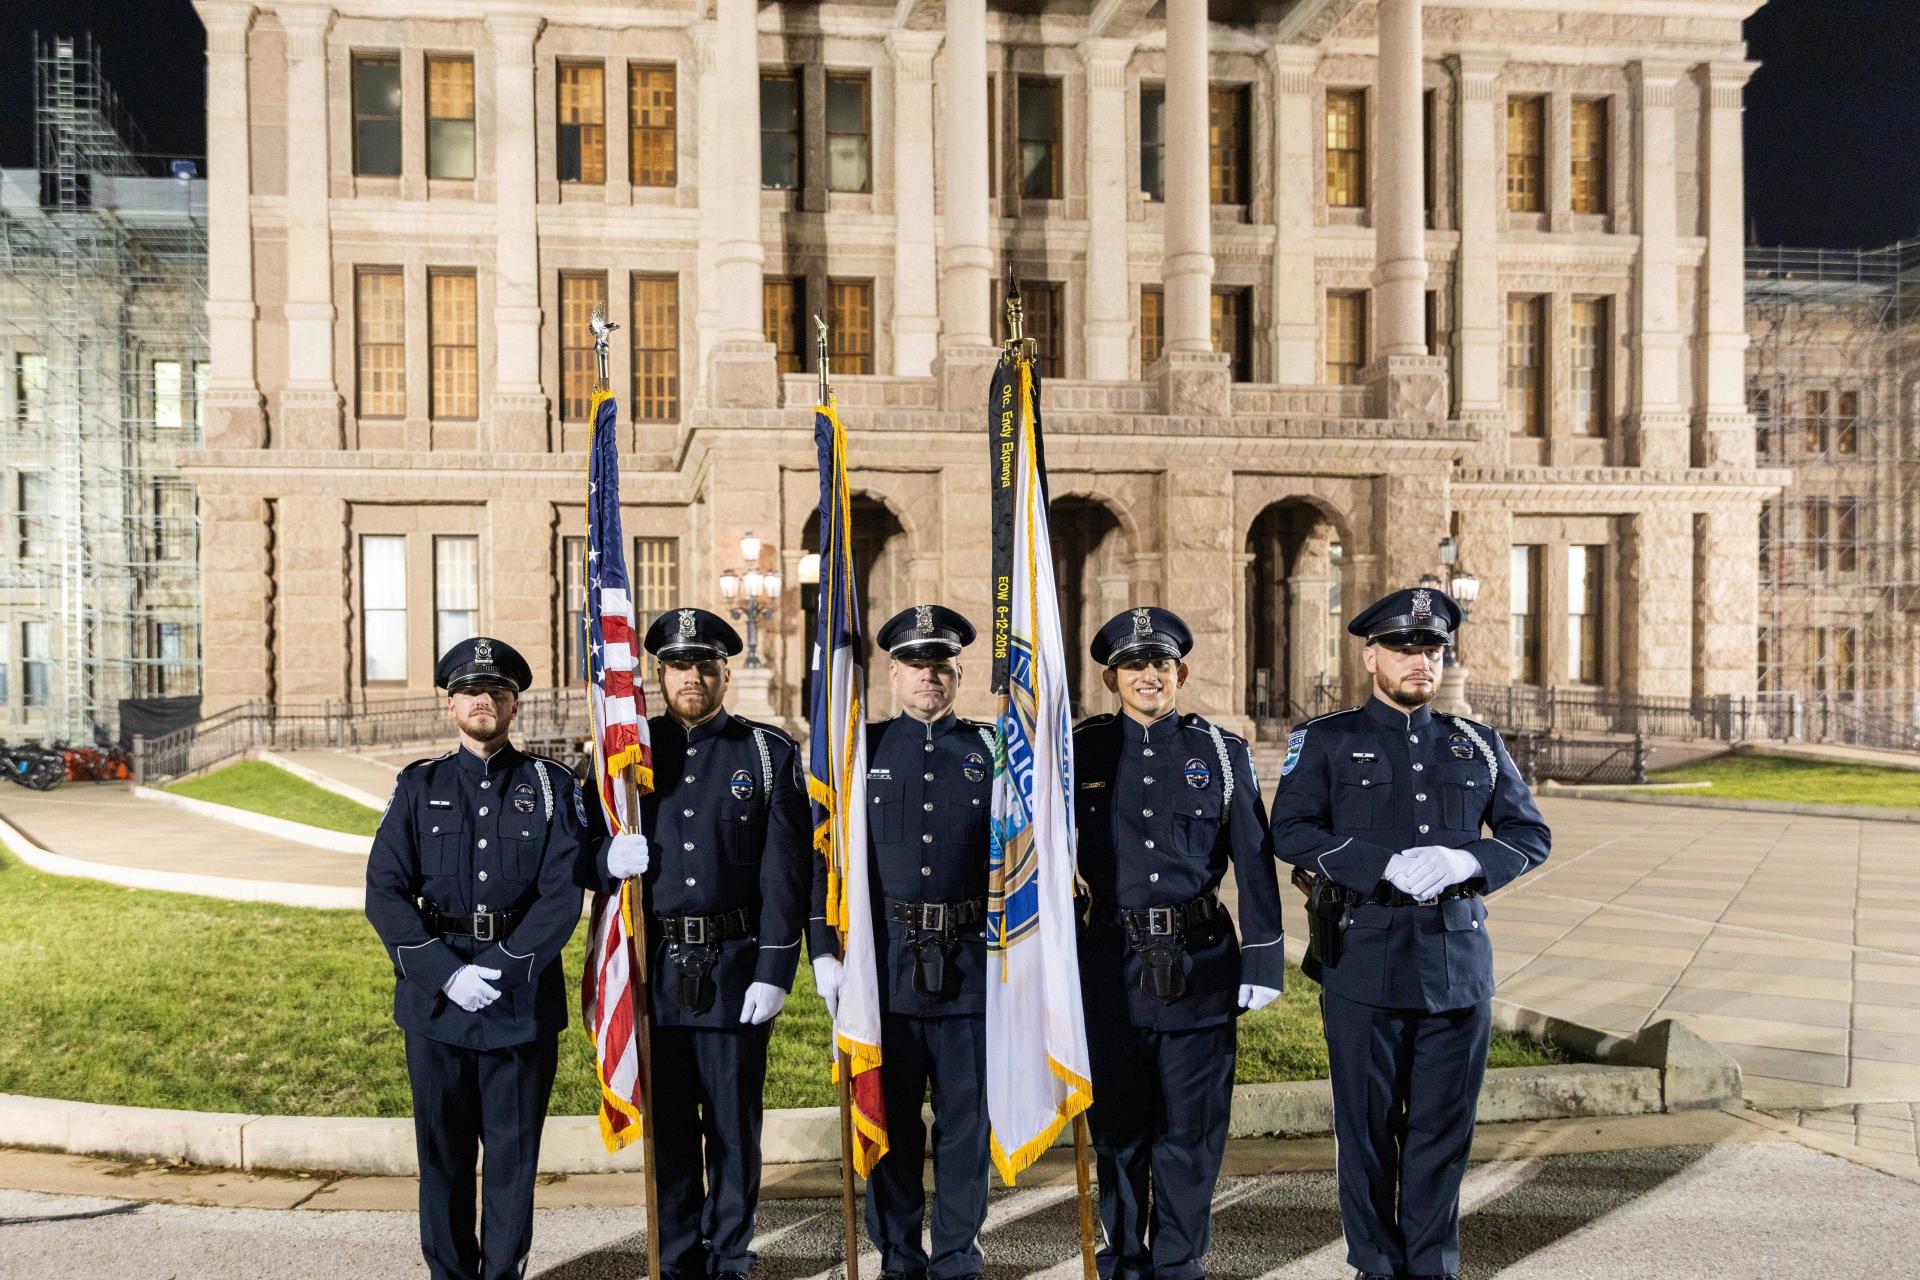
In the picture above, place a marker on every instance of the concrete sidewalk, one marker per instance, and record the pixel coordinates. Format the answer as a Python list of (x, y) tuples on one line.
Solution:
[(364, 779)]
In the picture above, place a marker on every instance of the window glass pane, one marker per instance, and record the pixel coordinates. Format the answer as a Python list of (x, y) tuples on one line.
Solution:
[(656, 348), (456, 591), (30, 388), (1588, 356), (780, 131), (1526, 358), (1526, 156), (573, 607), (202, 376), (1151, 326), (655, 143), (1583, 614), (582, 122), (1346, 337), (1589, 155), (1039, 120), (579, 368), (167, 390), (846, 104), (35, 540), (850, 325), (1227, 144), (847, 142), (656, 576), (380, 315), (1153, 124), (780, 316), (376, 116), (1346, 148), (453, 332), (33, 664), (383, 604), (450, 117)]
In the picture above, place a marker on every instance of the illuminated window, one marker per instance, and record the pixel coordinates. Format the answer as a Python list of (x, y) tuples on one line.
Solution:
[(380, 341), (1347, 148), (453, 339), (1228, 136), (1232, 316), (656, 348), (450, 117), (1152, 327), (169, 395), (579, 368), (1588, 358), (1527, 365), (652, 138), (850, 325), (1589, 159), (1526, 154), (383, 607), (782, 303), (655, 575), (1346, 337), (582, 143)]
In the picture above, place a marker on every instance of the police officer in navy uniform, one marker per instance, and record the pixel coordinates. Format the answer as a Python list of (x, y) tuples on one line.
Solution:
[(930, 779), (1163, 802), (726, 886), (1382, 807), (472, 888)]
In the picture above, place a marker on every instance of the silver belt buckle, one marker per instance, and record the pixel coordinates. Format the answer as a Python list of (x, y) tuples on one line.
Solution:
[(482, 927), (1159, 921), (1427, 902), (693, 930), (933, 916)]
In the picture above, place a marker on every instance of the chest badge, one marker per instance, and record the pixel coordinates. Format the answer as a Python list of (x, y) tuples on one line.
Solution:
[(975, 767), (1461, 746), (1199, 777), (741, 785), (523, 798)]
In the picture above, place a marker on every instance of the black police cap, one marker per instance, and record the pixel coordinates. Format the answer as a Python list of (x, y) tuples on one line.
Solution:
[(1410, 616), (925, 631), (1146, 634), (692, 635), (482, 662)]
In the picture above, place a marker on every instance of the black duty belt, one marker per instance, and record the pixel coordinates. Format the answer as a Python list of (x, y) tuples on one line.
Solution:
[(1388, 896), (481, 926), (704, 930), (1167, 921), (937, 917)]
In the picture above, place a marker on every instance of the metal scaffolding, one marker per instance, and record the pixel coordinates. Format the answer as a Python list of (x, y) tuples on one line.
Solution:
[(1832, 372), (103, 333)]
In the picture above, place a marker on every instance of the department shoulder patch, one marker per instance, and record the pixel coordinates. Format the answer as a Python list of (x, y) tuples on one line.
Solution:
[(1296, 741)]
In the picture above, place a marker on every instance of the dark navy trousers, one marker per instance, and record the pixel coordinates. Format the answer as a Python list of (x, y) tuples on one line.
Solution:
[(465, 1099), (1406, 1086), (706, 1138), (950, 1054), (1162, 1100)]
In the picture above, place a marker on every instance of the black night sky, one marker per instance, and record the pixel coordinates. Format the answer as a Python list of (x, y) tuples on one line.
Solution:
[(1833, 117)]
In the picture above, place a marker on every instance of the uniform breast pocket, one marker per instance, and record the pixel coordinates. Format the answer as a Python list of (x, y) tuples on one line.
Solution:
[(1366, 797), (740, 833), (441, 840), (886, 811), (1464, 795), (1196, 821), (521, 848)]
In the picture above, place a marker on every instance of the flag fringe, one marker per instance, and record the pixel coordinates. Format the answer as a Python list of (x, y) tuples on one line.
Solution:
[(1078, 1099), (616, 1141)]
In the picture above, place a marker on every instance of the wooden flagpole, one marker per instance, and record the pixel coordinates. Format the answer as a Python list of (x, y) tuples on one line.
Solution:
[(1020, 349), (638, 946), (843, 1061)]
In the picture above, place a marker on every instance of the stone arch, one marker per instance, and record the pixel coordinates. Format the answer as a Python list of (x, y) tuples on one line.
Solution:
[(1092, 571), (1296, 553)]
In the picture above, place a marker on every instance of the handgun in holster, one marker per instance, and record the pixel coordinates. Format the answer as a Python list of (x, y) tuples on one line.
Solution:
[(1329, 912), (692, 964)]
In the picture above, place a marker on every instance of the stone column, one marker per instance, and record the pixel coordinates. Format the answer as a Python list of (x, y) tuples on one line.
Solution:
[(315, 612), (966, 261), (1405, 383), (1307, 619), (1486, 550), (1726, 425), (1202, 585), (1480, 328), (1109, 329), (236, 567), (519, 588), (310, 405), (1194, 378), (1659, 423), (1656, 614), (519, 402), (236, 411), (1726, 599), (1410, 516), (916, 303), (743, 373), (1296, 323)]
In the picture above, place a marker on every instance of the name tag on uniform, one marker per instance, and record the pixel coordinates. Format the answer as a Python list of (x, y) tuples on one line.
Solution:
[(1092, 786), (880, 775), (439, 804), (1363, 757)]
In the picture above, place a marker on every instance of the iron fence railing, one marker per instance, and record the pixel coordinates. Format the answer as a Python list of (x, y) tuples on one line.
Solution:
[(1789, 717), (1541, 758), (549, 716)]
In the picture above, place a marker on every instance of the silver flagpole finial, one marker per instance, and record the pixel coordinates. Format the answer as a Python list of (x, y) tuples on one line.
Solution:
[(820, 351), (602, 331)]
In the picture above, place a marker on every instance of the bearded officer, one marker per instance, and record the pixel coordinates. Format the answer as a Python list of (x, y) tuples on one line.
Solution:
[(726, 890), (471, 887), (1163, 802), (1382, 807), (930, 775)]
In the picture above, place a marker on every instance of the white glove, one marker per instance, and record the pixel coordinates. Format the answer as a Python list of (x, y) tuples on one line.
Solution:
[(1401, 871), (762, 1002), (827, 977), (627, 856), (1435, 867), (1253, 996), (468, 987)]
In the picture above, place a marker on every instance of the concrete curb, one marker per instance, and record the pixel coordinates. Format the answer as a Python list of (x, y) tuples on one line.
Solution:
[(1824, 753), (345, 790), (1865, 812), (278, 828), (230, 888)]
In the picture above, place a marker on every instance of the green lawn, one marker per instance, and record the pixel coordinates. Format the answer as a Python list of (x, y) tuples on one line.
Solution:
[(164, 1000), (1745, 777), (268, 789)]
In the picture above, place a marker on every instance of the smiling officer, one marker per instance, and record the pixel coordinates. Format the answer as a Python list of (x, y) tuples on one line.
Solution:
[(1381, 808), (1163, 802), (471, 886)]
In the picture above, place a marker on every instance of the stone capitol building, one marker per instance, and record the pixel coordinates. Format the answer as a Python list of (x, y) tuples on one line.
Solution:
[(1316, 283)]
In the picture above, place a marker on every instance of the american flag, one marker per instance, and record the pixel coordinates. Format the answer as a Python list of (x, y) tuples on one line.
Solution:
[(837, 785), (620, 741)]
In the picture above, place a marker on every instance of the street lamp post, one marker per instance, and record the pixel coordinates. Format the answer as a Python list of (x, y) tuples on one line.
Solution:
[(751, 596), (1464, 587)]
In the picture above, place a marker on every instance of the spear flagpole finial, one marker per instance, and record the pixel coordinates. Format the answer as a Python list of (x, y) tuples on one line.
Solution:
[(602, 331), (820, 353)]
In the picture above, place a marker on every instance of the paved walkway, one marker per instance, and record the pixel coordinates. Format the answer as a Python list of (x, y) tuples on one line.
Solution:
[(368, 778), (1698, 1195)]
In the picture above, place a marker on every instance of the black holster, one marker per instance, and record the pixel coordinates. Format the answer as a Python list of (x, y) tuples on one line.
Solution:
[(1329, 911), (692, 964), (1163, 973), (934, 973)]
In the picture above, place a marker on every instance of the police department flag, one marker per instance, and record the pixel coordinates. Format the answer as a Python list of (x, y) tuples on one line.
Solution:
[(1037, 1074), (620, 741), (837, 785)]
